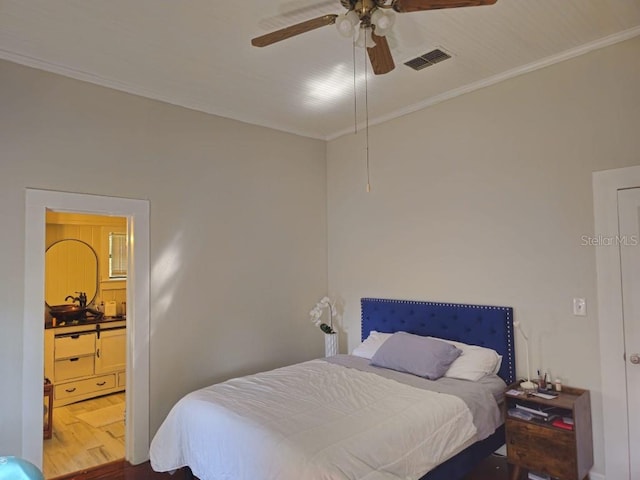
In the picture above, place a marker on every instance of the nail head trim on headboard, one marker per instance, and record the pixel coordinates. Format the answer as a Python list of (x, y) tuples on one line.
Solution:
[(485, 325)]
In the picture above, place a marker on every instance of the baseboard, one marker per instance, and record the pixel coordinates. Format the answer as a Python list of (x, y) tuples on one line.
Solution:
[(105, 470)]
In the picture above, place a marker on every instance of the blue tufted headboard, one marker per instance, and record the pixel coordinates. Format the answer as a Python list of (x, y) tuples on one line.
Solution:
[(487, 326)]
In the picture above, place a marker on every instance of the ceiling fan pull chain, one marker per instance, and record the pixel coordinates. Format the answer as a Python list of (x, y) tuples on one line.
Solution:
[(355, 91), (366, 109)]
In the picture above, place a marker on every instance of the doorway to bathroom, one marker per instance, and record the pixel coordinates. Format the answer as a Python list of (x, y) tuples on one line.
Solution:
[(86, 260), (135, 373)]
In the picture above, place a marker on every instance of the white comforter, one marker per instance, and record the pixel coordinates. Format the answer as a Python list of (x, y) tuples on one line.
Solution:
[(308, 421)]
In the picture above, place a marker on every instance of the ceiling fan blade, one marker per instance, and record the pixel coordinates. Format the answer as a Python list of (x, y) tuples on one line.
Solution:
[(380, 56), (293, 30), (404, 6)]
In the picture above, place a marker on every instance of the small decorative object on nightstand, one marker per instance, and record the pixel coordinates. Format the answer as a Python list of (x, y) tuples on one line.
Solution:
[(527, 385), (550, 436)]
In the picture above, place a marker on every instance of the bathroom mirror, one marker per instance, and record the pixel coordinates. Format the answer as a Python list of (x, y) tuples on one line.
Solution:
[(70, 266)]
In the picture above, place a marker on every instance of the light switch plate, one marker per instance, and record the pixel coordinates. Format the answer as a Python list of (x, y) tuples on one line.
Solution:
[(580, 307)]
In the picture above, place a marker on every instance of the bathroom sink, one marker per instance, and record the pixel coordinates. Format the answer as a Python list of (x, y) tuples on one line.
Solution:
[(67, 312), (70, 314)]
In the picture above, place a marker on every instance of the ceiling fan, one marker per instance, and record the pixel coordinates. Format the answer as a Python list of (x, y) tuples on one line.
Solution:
[(374, 22)]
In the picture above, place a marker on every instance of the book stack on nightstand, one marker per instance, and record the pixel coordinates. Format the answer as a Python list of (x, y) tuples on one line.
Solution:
[(549, 437)]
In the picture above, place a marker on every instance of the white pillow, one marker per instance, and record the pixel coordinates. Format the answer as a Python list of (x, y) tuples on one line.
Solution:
[(474, 363), (370, 346)]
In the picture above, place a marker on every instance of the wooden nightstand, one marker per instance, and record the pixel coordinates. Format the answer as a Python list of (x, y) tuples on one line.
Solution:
[(541, 447)]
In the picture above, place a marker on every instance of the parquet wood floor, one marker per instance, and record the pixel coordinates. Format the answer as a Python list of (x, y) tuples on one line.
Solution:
[(76, 445)]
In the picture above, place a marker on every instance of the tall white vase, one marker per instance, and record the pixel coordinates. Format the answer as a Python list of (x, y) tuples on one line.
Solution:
[(330, 344)]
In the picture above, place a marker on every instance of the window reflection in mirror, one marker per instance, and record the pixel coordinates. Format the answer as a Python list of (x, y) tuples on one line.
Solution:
[(117, 255)]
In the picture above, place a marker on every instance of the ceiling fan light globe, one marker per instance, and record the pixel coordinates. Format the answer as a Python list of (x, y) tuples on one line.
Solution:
[(381, 32), (344, 27), (382, 20), (345, 24), (353, 17), (365, 39)]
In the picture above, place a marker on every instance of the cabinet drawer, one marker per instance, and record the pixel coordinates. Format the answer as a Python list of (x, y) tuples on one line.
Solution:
[(81, 387), (75, 345), (122, 379), (73, 368), (541, 448)]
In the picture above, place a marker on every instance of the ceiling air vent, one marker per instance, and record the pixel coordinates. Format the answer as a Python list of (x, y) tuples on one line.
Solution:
[(428, 59)]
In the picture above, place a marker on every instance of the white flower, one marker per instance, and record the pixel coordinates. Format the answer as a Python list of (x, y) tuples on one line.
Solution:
[(316, 314)]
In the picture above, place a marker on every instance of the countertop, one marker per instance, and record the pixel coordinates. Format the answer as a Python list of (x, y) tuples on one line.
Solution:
[(87, 322)]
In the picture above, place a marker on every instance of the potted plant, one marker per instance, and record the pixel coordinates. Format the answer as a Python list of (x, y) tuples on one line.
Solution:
[(331, 335)]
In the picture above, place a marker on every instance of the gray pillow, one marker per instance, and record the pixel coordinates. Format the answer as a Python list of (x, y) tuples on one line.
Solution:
[(422, 356)]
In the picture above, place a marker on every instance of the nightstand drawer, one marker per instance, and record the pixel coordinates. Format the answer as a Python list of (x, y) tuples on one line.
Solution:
[(541, 448)]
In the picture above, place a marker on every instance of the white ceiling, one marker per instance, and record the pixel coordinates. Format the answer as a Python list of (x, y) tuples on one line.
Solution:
[(197, 53)]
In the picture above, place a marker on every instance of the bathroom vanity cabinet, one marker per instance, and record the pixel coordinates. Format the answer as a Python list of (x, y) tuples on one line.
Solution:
[(85, 361)]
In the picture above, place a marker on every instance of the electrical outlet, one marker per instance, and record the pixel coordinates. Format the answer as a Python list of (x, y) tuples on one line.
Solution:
[(580, 307)]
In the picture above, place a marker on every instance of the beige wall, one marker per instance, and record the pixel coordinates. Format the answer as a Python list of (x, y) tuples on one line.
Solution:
[(238, 227), (484, 199), (480, 199)]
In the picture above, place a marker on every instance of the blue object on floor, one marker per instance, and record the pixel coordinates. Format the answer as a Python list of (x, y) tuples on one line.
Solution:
[(13, 468)]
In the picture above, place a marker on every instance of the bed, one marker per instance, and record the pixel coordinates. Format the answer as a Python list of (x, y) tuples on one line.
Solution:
[(340, 418), (484, 325)]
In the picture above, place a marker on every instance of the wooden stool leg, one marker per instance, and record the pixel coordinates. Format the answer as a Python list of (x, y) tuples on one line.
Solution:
[(48, 394), (516, 472)]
